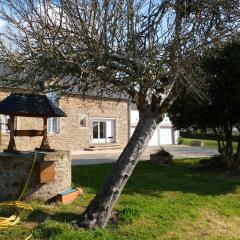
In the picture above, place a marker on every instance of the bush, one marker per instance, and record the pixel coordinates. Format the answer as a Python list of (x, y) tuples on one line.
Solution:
[(205, 136), (161, 157), (180, 140)]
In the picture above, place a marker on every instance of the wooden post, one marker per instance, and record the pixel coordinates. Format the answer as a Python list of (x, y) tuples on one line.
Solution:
[(11, 145), (45, 144)]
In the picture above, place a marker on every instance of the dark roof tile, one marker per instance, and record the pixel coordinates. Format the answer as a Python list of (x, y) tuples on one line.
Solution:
[(30, 105)]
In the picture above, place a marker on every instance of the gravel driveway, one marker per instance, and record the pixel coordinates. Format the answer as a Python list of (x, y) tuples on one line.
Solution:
[(178, 151)]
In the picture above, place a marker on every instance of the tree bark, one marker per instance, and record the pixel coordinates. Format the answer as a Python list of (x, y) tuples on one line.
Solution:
[(229, 157), (220, 148), (237, 154), (225, 147), (99, 210)]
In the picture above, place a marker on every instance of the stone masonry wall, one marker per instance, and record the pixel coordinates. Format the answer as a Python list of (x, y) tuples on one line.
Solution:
[(15, 168), (71, 135)]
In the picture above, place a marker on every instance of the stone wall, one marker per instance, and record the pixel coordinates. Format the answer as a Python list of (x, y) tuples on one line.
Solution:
[(15, 168), (71, 135)]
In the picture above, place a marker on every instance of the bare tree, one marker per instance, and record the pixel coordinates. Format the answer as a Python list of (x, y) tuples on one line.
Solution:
[(145, 49)]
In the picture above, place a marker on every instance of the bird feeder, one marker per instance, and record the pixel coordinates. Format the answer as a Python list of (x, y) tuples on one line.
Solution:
[(29, 105)]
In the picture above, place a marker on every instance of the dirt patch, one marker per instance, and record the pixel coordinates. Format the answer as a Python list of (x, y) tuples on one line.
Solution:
[(209, 225), (214, 224)]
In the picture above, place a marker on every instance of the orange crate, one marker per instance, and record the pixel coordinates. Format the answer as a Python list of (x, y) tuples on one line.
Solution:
[(69, 195)]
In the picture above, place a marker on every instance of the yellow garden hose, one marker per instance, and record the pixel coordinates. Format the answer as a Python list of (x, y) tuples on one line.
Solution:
[(17, 206)]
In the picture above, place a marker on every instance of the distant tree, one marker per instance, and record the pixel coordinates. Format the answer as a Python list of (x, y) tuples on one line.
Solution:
[(144, 48), (220, 107)]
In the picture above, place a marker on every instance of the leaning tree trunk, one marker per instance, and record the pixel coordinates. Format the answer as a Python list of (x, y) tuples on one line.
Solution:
[(99, 210)]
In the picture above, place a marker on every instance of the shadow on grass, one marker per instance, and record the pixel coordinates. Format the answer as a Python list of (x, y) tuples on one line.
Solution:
[(39, 216), (149, 180), (183, 176)]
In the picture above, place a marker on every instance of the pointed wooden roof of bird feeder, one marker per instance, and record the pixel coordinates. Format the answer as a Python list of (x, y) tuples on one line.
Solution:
[(30, 105)]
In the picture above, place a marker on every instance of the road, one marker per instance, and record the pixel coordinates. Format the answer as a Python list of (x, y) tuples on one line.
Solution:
[(109, 156)]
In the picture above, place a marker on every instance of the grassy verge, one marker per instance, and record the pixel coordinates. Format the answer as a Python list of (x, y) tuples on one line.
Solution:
[(181, 201), (207, 143)]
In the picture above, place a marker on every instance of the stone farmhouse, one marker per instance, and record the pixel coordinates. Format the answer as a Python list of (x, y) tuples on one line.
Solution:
[(90, 121)]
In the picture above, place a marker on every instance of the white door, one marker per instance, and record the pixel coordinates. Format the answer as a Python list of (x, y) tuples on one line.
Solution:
[(166, 136), (103, 131), (99, 131), (111, 131), (154, 141), (134, 117), (132, 130)]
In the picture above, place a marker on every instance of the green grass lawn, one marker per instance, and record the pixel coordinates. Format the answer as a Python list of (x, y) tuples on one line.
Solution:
[(175, 202), (207, 143)]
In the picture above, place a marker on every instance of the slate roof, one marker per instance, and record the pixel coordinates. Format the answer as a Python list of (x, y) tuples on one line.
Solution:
[(30, 105), (103, 91)]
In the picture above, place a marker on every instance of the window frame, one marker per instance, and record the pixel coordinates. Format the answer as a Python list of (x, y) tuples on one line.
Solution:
[(50, 125), (4, 123), (50, 122)]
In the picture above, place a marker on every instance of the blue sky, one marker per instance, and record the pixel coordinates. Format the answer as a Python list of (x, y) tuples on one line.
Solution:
[(2, 24)]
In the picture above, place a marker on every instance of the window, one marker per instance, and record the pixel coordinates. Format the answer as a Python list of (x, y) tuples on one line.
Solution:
[(53, 125), (102, 129), (53, 122), (4, 123), (99, 129), (95, 130)]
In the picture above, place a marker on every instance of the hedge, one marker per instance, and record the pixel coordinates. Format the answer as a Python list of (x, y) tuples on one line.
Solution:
[(205, 136)]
